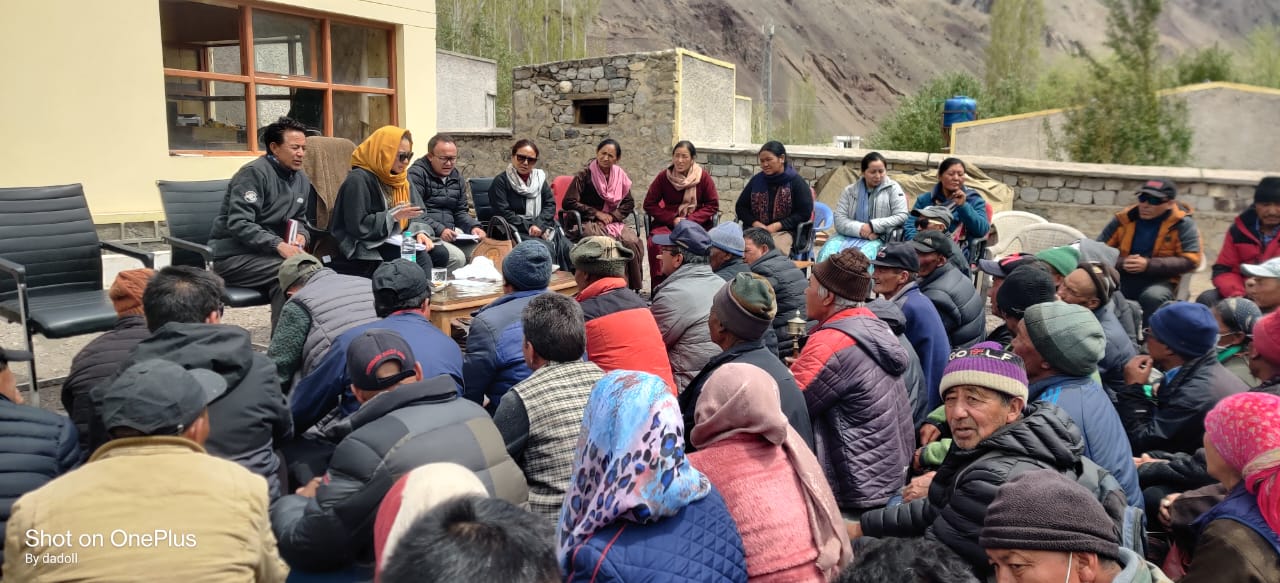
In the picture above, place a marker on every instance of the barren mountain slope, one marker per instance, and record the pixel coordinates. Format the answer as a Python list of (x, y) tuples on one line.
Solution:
[(863, 55)]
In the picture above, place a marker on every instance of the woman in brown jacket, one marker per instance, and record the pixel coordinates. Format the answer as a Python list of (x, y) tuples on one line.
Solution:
[(601, 194)]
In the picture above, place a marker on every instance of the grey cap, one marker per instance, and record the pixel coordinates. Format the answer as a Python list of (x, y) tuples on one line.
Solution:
[(157, 397), (940, 213)]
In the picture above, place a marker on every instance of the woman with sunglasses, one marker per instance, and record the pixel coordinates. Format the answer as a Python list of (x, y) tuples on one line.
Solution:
[(522, 195), (601, 194), (375, 202)]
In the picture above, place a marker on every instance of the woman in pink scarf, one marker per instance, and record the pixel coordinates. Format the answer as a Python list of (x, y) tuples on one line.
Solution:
[(791, 528), (1237, 540), (684, 191), (601, 194)]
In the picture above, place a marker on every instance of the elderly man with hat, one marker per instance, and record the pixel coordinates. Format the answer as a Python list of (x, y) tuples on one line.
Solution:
[(1252, 239), (896, 266), (406, 420), (1264, 284), (1170, 416), (100, 359), (206, 517), (851, 371), (1027, 285), (951, 291), (1060, 260), (494, 361), (999, 269), (621, 331), (727, 247), (997, 436), (680, 304), (321, 305), (1091, 285), (741, 313), (1060, 344), (1159, 245), (1042, 527), (402, 299), (37, 445)]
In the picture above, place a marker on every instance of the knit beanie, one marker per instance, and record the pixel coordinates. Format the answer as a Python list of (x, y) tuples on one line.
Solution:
[(1268, 190), (727, 237), (1026, 286), (845, 274), (1063, 260), (1187, 328), (985, 365), (1042, 510), (527, 266), (1067, 336), (1239, 314), (126, 291), (745, 305), (600, 256), (1266, 338)]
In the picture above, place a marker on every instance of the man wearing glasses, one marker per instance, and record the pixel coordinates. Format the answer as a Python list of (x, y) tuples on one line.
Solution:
[(436, 181), (1158, 242)]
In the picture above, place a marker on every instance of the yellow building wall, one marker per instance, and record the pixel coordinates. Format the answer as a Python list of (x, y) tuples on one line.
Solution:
[(84, 96)]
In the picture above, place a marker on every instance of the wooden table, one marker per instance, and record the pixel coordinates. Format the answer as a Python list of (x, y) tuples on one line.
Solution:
[(460, 300)]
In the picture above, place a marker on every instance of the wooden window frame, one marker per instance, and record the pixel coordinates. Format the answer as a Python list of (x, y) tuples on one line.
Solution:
[(250, 78)]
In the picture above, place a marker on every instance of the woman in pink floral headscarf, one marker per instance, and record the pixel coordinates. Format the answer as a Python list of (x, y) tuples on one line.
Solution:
[(1237, 539)]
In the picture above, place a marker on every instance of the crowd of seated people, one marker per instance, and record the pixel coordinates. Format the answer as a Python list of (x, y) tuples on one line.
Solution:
[(745, 420)]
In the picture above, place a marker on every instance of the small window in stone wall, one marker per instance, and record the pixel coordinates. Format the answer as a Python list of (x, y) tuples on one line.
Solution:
[(591, 112)]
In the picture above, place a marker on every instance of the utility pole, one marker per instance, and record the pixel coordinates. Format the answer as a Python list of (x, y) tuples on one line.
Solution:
[(768, 81)]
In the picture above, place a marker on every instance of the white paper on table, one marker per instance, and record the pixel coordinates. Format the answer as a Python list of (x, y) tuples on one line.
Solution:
[(481, 268), (460, 236), (396, 240)]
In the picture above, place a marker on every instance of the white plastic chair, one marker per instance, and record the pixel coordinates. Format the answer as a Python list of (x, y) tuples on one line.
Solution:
[(1008, 224), (1037, 238)]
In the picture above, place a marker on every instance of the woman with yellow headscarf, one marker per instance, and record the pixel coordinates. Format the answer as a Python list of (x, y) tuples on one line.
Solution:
[(375, 202)]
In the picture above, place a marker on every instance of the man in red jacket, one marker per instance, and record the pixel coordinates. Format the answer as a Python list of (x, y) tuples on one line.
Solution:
[(1251, 239)]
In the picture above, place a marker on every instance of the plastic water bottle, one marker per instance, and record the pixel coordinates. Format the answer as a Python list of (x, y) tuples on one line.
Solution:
[(408, 248)]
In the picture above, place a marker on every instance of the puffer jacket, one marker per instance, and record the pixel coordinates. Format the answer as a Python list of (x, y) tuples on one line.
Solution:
[(1174, 422), (924, 328), (621, 331), (1092, 411), (250, 420), (98, 361), (445, 198), (788, 287), (967, 482), (851, 374), (335, 303), (972, 215), (699, 544), (886, 208), (680, 306), (494, 361), (917, 393), (390, 435), (1118, 352), (1242, 244), (732, 267), (36, 446), (959, 305), (1177, 248)]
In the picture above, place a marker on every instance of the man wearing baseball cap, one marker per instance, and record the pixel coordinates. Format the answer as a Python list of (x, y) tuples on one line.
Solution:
[(895, 280), (207, 517), (999, 269), (1264, 284), (997, 436), (682, 301), (402, 299), (1252, 239), (405, 421), (950, 290), (39, 445), (1159, 244)]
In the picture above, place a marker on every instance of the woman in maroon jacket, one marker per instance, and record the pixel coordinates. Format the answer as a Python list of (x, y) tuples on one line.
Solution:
[(684, 191), (601, 194)]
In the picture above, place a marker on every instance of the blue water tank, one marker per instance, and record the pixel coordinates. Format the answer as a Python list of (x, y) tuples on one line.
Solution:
[(959, 109)]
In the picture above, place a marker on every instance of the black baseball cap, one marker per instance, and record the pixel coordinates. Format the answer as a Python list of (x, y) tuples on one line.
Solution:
[(898, 256), (941, 214), (1161, 188), (932, 242), (371, 350), (402, 278), (157, 397), (687, 235), (11, 355), (1003, 266)]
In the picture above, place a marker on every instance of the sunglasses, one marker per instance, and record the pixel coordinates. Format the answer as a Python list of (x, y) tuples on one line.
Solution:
[(404, 156), (1151, 200), (526, 159)]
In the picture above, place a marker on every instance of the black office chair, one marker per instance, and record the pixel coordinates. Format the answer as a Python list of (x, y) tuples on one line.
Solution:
[(51, 265), (190, 208), (480, 198)]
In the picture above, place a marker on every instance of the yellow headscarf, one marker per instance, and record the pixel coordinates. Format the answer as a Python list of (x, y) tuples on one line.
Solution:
[(377, 154)]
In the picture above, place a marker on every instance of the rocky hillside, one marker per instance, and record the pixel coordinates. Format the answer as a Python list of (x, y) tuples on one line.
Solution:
[(863, 55)]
